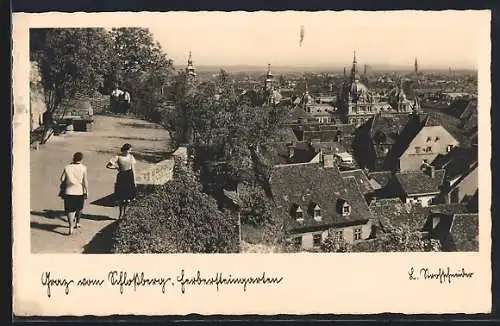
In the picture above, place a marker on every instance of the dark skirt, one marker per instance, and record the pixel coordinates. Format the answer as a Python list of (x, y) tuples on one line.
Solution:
[(73, 203), (125, 186)]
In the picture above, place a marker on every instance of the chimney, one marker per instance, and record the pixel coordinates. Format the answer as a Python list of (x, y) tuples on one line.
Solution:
[(291, 150), (328, 161), (431, 171)]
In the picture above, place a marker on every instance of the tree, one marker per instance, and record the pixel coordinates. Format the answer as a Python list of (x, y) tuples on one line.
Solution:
[(255, 206), (335, 244), (71, 61), (177, 218), (140, 66)]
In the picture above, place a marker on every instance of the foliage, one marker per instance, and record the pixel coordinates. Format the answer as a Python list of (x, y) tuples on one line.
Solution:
[(70, 60), (86, 60), (177, 218), (335, 244), (140, 66), (255, 206), (402, 238)]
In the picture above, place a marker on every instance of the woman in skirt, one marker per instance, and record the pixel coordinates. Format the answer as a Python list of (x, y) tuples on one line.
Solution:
[(74, 190), (125, 186)]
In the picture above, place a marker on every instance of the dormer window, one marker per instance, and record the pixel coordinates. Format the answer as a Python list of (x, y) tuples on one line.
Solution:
[(346, 209), (317, 213), (299, 214)]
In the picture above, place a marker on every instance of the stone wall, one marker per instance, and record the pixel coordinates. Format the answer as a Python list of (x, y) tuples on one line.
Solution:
[(37, 100), (162, 172), (158, 174)]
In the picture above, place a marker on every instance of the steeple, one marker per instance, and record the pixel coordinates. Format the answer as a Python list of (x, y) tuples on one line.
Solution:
[(190, 68), (354, 70), (416, 66), (269, 78)]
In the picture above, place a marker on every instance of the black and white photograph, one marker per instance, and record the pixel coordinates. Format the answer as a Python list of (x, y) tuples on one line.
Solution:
[(317, 134), (166, 147)]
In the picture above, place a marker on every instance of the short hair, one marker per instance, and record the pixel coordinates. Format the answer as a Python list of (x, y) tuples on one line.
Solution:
[(77, 157), (126, 147)]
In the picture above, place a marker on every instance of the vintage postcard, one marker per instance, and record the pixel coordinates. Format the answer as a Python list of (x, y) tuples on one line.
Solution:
[(251, 163)]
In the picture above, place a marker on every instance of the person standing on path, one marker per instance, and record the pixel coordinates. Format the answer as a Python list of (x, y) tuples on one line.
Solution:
[(126, 102), (125, 186), (115, 100), (76, 189)]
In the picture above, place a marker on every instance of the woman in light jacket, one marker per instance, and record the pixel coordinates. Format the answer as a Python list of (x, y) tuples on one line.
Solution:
[(76, 190)]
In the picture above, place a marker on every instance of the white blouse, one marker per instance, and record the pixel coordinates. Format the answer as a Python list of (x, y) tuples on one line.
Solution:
[(123, 163)]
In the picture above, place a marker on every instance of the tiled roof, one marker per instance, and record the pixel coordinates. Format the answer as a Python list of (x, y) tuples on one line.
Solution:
[(328, 147), (469, 110), (361, 179), (298, 113), (386, 129), (311, 184), (419, 182), (410, 130), (390, 212), (465, 232), (286, 135), (447, 209), (278, 153), (381, 179), (457, 162)]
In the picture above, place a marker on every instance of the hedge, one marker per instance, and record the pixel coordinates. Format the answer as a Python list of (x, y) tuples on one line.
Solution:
[(176, 218)]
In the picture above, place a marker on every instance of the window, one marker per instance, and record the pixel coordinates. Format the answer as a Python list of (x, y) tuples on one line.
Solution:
[(428, 149), (449, 148), (357, 234), (429, 139), (417, 149), (317, 212), (437, 138), (316, 240), (299, 214), (346, 210), (297, 241)]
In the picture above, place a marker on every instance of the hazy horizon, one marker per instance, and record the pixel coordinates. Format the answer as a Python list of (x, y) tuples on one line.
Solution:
[(438, 40)]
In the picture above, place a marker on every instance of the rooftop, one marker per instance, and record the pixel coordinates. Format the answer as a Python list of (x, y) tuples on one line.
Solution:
[(362, 180), (420, 182), (308, 185)]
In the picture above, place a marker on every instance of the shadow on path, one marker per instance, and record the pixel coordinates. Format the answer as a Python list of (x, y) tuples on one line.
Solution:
[(106, 201), (102, 242), (141, 125), (136, 138), (51, 214), (61, 215), (48, 227)]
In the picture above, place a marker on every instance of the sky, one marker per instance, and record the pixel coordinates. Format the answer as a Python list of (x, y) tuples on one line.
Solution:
[(437, 39)]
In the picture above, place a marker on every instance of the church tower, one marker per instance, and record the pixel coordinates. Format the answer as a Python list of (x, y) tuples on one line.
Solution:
[(354, 69), (416, 66), (268, 85), (191, 73)]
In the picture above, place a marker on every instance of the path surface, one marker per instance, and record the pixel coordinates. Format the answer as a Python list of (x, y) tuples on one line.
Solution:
[(48, 224)]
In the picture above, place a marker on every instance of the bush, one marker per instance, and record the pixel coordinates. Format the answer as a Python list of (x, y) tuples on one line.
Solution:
[(176, 218)]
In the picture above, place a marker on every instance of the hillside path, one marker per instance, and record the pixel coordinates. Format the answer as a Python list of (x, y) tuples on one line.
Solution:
[(49, 225)]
